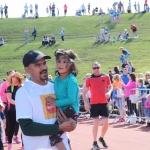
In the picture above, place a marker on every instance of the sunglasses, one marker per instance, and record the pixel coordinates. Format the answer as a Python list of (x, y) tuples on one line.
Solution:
[(96, 68), (147, 74)]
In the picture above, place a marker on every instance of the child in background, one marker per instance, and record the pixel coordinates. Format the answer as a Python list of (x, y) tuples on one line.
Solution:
[(102, 38), (106, 30), (57, 12), (147, 108), (97, 39), (113, 40), (2, 117), (47, 11), (108, 38), (118, 16), (119, 100), (119, 36), (62, 33), (122, 59), (138, 7), (126, 34), (34, 32), (66, 88), (142, 92)]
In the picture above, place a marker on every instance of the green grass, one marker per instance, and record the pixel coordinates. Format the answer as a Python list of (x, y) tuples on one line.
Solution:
[(79, 36)]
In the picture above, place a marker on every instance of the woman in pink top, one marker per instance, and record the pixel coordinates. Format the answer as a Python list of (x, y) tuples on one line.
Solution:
[(128, 90), (4, 99), (65, 9)]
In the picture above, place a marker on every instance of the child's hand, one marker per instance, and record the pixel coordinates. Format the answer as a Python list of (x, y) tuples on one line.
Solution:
[(2, 108), (51, 100)]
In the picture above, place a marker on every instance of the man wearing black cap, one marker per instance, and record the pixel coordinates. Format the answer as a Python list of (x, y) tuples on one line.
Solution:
[(35, 115)]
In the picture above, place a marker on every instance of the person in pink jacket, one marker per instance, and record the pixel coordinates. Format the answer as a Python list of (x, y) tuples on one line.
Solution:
[(128, 90), (4, 99)]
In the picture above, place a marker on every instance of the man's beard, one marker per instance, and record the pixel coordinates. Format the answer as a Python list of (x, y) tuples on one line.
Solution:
[(45, 77)]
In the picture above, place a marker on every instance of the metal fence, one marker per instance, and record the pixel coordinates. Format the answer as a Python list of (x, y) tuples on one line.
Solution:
[(125, 109)]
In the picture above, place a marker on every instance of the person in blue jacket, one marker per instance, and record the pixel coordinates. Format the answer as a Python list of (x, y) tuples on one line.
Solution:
[(125, 53)]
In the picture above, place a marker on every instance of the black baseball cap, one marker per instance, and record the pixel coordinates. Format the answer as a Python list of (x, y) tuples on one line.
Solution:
[(32, 57)]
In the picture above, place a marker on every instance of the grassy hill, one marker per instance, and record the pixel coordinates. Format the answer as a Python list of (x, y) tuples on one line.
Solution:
[(79, 36)]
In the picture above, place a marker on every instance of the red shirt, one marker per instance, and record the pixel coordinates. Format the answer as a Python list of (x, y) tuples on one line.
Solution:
[(145, 1), (98, 88), (133, 27)]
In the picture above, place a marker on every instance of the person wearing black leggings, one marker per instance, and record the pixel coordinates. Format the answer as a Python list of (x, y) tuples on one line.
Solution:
[(15, 82), (131, 107)]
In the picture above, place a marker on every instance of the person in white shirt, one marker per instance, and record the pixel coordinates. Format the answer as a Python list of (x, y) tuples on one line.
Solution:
[(31, 10), (33, 112), (129, 4)]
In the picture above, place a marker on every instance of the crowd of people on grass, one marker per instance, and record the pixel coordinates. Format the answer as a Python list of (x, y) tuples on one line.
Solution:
[(105, 35), (46, 40), (114, 12)]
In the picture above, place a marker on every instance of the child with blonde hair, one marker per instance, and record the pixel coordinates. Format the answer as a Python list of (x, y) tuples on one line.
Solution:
[(119, 99)]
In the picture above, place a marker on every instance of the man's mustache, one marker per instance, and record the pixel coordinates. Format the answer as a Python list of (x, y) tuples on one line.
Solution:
[(43, 71)]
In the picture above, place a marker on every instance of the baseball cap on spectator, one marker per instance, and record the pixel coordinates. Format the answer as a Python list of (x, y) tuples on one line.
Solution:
[(33, 56)]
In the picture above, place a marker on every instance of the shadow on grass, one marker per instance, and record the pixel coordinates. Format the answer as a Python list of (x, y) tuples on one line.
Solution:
[(54, 46), (40, 46), (111, 26), (96, 44), (19, 47), (108, 22), (61, 17), (129, 41), (132, 17), (141, 15), (32, 40), (97, 25)]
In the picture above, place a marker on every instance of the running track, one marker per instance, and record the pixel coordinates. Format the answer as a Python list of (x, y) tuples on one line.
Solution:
[(118, 137)]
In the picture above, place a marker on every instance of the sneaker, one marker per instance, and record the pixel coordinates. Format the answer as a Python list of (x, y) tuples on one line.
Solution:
[(6, 139), (95, 146), (9, 146), (122, 120), (103, 142), (16, 139)]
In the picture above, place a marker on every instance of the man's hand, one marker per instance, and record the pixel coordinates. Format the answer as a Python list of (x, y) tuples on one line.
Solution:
[(51, 100), (87, 106), (107, 95), (68, 126), (61, 117)]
